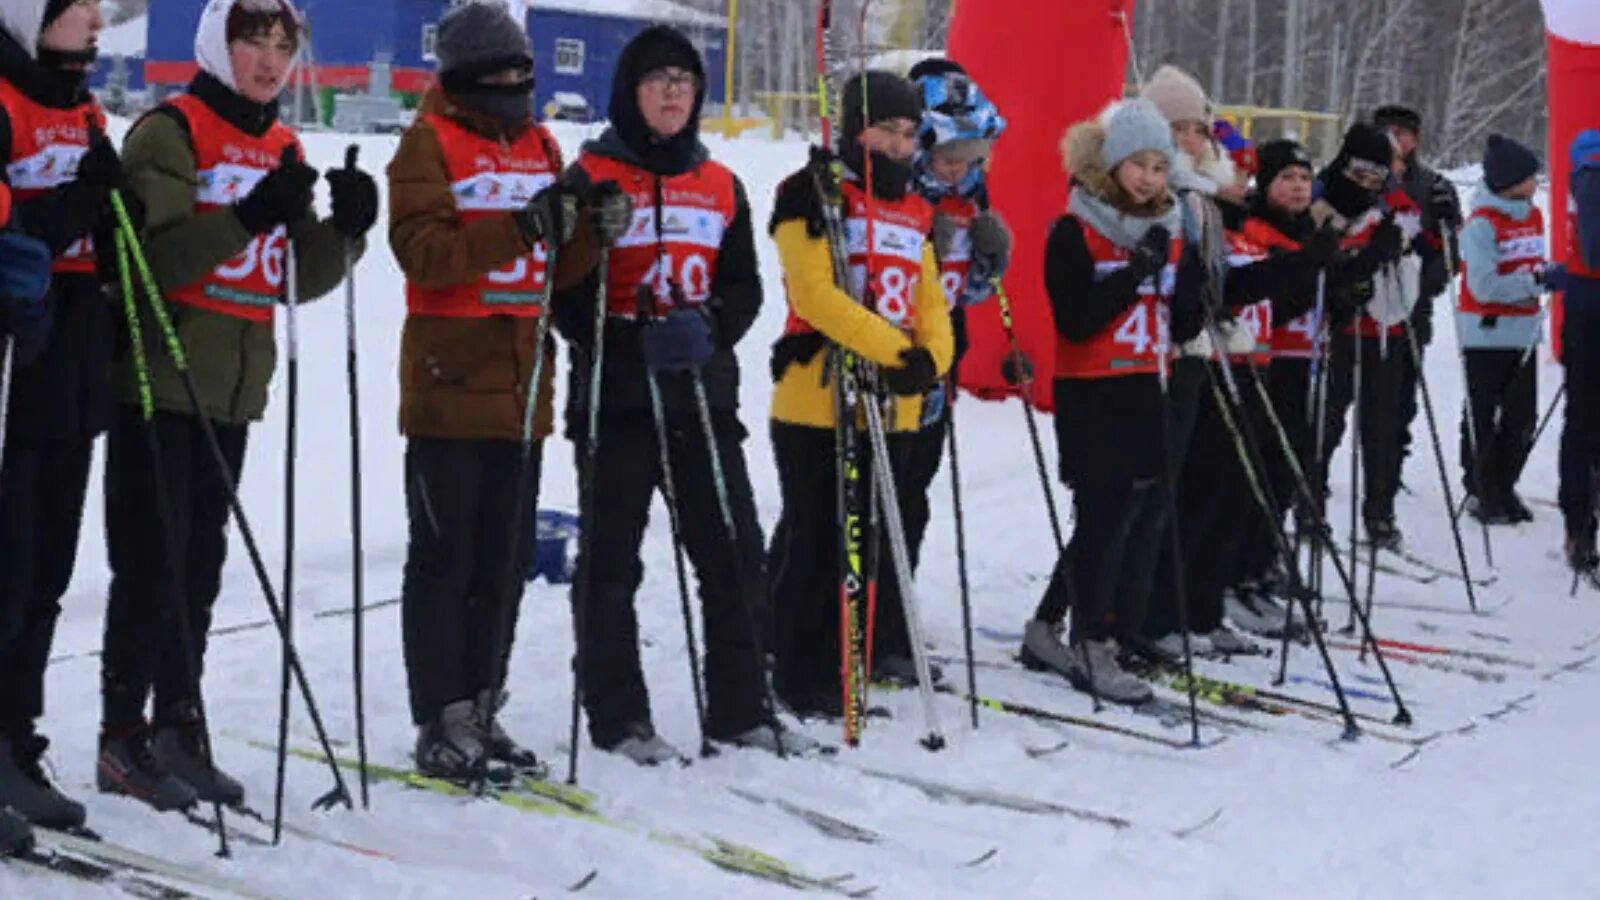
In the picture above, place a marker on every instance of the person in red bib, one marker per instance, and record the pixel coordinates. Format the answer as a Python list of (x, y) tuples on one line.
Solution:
[(1119, 299), (58, 172), (480, 225), (1498, 322), (228, 198), (681, 290)]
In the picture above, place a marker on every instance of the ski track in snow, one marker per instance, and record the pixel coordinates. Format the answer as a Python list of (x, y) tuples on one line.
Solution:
[(1493, 812)]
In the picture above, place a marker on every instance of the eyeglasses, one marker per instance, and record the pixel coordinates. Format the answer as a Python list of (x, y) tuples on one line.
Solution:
[(1369, 175), (665, 79)]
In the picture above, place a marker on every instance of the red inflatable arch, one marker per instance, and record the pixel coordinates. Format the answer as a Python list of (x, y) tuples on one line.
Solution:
[(1573, 38), (1045, 65)]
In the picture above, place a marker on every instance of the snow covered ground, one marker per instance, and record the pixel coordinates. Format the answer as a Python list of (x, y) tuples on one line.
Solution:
[(1507, 808)]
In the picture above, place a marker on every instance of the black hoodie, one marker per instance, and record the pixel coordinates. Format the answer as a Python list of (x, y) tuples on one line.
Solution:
[(736, 292)]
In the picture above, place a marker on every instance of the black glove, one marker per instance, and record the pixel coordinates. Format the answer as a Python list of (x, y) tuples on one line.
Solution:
[(1191, 293), (916, 375), (1444, 205), (610, 211), (282, 197), (1016, 369), (1322, 248), (355, 198), (100, 167), (551, 216), (1152, 253), (1387, 242)]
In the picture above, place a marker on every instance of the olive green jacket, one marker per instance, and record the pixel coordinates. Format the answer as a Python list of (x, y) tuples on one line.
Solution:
[(231, 359)]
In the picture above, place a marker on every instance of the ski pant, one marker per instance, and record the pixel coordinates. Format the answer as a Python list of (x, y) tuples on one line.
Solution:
[(1580, 432), (463, 582), (1109, 566), (922, 455), (1217, 516), (1504, 395), (42, 491), (1375, 411), (145, 652), (731, 576), (805, 559), (1408, 398)]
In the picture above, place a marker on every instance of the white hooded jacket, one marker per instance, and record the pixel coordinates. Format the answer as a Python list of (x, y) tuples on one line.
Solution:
[(211, 38), (23, 20)]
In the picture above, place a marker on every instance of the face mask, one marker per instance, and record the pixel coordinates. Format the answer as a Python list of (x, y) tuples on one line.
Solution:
[(508, 104)]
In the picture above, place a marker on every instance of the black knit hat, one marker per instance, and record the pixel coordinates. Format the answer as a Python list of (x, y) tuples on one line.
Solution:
[(52, 11), (478, 38), (1367, 143), (888, 96), (1507, 163), (1398, 116), (1275, 156)]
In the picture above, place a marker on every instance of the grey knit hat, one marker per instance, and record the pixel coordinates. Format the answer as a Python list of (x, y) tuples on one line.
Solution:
[(479, 37), (1136, 125)]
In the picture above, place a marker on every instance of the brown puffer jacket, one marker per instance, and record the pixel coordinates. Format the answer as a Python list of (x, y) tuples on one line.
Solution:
[(461, 378)]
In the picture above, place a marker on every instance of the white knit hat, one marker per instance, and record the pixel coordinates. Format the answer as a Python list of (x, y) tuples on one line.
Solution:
[(1179, 97)]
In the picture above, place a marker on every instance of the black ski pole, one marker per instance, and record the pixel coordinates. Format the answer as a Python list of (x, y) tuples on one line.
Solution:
[(1386, 422), (1358, 429), (961, 547), (586, 515), (290, 467), (1475, 448), (669, 488), (1025, 381), (357, 564), (169, 533), (1180, 590), (7, 354), (339, 794), (1444, 475)]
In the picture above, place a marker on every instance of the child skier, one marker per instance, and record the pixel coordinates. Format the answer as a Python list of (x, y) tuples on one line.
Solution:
[(1119, 298), (958, 128), (682, 289), (474, 210), (901, 325), (1503, 256), (215, 249), (1580, 336), (60, 172)]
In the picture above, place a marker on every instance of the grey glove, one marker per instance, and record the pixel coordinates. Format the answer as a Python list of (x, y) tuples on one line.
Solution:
[(944, 235), (610, 211), (551, 216), (990, 239)]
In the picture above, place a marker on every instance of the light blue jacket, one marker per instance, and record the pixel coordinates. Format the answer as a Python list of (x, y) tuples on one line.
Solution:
[(1480, 253)]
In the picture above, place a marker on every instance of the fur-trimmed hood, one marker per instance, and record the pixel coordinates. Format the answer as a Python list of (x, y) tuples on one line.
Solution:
[(1084, 161)]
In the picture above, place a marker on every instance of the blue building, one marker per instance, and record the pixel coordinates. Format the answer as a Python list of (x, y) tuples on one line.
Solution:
[(576, 42)]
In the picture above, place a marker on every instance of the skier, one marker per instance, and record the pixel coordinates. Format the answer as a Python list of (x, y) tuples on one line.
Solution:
[(682, 289), (1355, 193), (1109, 263), (25, 264), (216, 250), (1580, 335), (60, 172), (957, 131), (1436, 197), (475, 207), (902, 326), (1503, 255)]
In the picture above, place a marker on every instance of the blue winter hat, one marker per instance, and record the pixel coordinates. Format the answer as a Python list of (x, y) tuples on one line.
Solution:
[(1136, 125), (955, 110), (1585, 151), (1507, 163)]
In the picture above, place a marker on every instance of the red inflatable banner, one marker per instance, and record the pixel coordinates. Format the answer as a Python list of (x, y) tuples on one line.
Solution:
[(1573, 39)]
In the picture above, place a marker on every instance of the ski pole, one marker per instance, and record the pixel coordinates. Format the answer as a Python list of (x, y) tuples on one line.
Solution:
[(357, 565), (1025, 377), (670, 489), (1358, 490), (586, 516), (338, 794), (7, 360), (291, 444), (961, 547), (169, 533), (1169, 460), (1444, 475)]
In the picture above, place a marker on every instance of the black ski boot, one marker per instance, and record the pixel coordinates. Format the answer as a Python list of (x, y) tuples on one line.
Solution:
[(498, 745), (1583, 556), (1518, 509), (128, 767), (452, 747), (1384, 532), (24, 787), (177, 745), (16, 835)]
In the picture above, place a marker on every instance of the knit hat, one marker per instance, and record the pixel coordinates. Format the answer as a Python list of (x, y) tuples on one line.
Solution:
[(1367, 143), (1507, 163), (53, 10), (1134, 126), (935, 65), (1179, 97), (1275, 156), (888, 96), (481, 37), (1240, 149), (1398, 116)]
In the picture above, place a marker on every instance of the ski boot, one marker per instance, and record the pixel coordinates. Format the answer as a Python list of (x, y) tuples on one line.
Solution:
[(177, 745), (25, 788), (498, 745), (16, 835), (129, 767), (452, 748), (1384, 532), (645, 747), (770, 736)]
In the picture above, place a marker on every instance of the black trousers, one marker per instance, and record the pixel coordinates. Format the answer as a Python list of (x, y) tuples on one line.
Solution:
[(1580, 432), (1376, 411), (41, 511), (1505, 408), (805, 551), (920, 454), (731, 576), (145, 655), (463, 587)]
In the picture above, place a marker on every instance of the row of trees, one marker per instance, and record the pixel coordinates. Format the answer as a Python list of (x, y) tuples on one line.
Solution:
[(1470, 66)]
